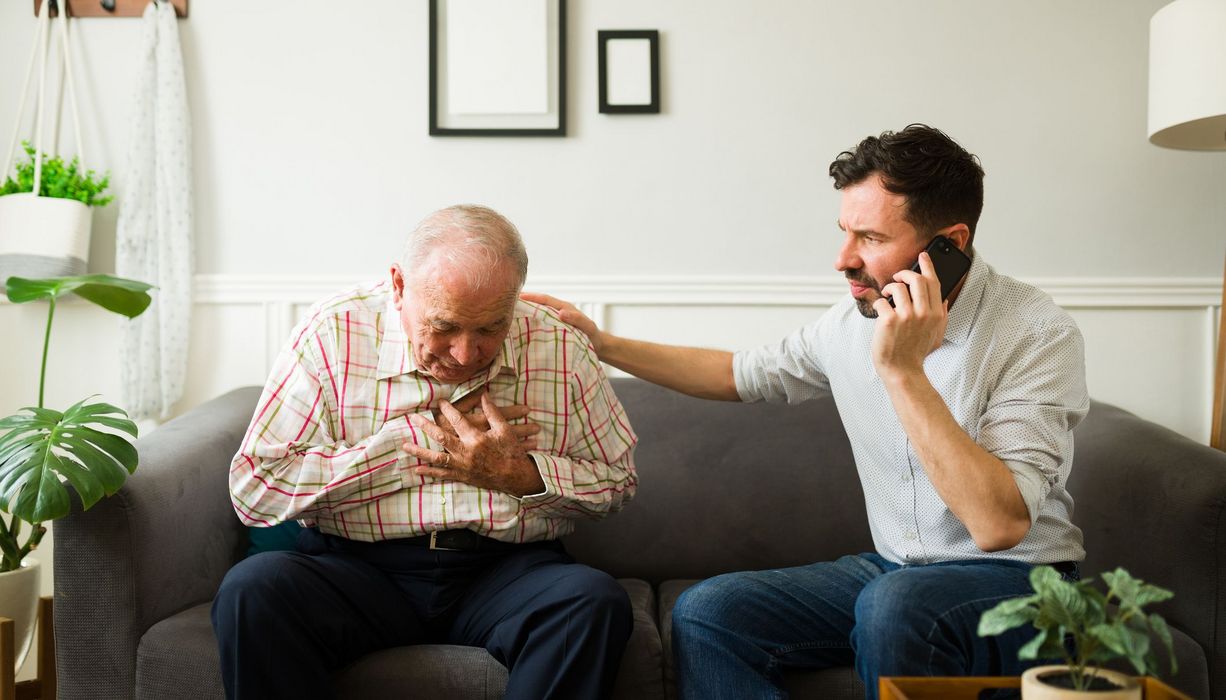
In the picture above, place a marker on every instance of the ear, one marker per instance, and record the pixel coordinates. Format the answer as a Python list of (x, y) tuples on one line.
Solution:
[(397, 284), (960, 234)]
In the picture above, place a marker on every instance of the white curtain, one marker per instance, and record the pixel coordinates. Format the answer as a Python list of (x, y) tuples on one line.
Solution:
[(154, 237)]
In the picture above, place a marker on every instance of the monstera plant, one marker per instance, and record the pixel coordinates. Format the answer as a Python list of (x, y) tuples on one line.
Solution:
[(85, 444)]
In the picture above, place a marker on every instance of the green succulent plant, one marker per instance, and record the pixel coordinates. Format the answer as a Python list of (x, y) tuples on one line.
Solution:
[(84, 445), (1100, 626), (58, 180)]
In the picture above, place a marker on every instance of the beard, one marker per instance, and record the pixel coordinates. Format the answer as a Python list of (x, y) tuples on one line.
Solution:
[(864, 306)]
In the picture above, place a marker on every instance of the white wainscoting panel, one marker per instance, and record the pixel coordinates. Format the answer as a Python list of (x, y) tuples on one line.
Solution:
[(1150, 343)]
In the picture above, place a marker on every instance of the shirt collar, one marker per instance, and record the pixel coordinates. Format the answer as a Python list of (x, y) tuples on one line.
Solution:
[(966, 307), (396, 357)]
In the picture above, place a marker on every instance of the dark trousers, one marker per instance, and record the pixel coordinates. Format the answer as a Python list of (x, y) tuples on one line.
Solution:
[(286, 622)]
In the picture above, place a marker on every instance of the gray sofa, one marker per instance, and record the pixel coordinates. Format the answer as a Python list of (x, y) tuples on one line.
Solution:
[(723, 487)]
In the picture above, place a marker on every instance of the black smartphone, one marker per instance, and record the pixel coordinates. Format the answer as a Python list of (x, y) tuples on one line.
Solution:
[(950, 263)]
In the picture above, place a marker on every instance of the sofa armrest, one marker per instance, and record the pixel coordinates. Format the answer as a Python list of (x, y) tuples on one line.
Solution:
[(1153, 501), (158, 546)]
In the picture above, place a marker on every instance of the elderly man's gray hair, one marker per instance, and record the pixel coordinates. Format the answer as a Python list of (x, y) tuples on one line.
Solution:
[(468, 237)]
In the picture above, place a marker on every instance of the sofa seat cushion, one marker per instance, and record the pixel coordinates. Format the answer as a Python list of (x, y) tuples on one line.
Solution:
[(180, 652)]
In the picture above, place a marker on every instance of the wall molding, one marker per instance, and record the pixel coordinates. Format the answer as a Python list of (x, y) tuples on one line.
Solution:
[(683, 290)]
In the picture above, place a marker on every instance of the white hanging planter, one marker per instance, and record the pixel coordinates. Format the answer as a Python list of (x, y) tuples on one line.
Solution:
[(19, 603), (43, 236)]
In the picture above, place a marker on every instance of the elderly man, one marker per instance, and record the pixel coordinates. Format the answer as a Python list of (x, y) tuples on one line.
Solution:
[(438, 436)]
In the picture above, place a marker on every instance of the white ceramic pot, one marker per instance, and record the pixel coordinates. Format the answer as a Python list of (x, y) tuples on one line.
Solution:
[(19, 603), (1035, 689), (43, 236)]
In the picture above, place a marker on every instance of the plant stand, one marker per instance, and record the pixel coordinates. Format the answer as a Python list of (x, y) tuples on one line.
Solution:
[(42, 687)]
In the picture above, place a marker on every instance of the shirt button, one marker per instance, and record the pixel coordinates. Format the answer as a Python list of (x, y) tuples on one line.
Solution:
[(906, 477), (910, 535), (442, 500)]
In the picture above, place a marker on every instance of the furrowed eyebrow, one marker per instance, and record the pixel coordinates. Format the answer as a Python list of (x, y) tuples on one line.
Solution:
[(861, 233)]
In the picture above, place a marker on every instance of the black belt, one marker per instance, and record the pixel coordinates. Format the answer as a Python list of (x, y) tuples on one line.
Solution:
[(456, 541), (1068, 568)]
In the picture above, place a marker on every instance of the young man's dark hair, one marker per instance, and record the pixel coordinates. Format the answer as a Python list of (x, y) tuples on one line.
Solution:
[(942, 182)]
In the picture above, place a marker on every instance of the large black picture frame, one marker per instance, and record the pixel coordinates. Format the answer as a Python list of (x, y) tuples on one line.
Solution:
[(445, 124)]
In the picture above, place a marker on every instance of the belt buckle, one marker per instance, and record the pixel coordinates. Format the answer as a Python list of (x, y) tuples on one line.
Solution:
[(434, 543)]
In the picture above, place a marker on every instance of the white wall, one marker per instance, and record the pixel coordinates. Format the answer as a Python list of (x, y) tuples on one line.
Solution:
[(312, 161)]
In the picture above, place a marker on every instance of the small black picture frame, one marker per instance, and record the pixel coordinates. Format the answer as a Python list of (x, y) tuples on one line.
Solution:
[(614, 99), (444, 121)]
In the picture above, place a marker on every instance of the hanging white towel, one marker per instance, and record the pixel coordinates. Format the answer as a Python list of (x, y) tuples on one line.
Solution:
[(154, 235)]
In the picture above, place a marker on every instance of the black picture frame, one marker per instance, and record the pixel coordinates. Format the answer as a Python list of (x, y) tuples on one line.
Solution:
[(444, 124), (603, 37)]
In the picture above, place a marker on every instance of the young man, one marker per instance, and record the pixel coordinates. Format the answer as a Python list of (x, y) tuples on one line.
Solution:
[(431, 524), (960, 416)]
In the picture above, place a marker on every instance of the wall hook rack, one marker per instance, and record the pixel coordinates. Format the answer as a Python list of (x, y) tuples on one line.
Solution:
[(109, 8)]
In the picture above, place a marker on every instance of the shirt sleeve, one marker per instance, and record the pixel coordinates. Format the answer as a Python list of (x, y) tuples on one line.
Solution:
[(1031, 413), (596, 475), (291, 465), (789, 370)]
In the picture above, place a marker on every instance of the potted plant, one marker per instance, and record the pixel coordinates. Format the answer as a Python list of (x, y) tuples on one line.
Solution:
[(45, 215), (1084, 626), (41, 447)]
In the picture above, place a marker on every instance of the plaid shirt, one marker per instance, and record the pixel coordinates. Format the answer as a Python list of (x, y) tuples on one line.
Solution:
[(325, 443)]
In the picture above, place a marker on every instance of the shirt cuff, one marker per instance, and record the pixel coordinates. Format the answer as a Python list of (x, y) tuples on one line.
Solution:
[(1031, 484), (541, 466), (742, 377)]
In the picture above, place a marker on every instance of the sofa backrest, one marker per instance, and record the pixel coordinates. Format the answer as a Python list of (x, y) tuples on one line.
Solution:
[(728, 487), (1152, 501)]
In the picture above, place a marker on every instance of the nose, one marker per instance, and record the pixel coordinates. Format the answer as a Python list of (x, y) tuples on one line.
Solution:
[(465, 350), (848, 257)]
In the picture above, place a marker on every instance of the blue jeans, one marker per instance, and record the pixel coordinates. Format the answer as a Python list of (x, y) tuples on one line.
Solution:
[(733, 635)]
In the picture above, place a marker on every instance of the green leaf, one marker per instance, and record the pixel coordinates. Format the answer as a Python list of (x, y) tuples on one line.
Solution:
[(1111, 637), (48, 445), (1150, 593), (111, 474), (1046, 645), (115, 445), (43, 492), (1163, 633), (1042, 578), (1011, 613), (117, 294), (90, 489), (1030, 650), (1124, 585), (58, 179), (1064, 603)]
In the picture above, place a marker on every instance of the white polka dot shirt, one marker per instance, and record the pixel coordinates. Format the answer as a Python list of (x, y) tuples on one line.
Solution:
[(1012, 371)]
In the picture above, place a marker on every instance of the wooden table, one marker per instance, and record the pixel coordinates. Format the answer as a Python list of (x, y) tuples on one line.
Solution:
[(969, 687), (42, 687)]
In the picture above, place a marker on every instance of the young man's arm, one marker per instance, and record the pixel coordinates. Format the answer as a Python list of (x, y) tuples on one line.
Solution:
[(698, 372), (977, 487)]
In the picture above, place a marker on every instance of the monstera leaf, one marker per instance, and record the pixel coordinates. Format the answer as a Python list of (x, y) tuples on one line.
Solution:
[(38, 446), (122, 296)]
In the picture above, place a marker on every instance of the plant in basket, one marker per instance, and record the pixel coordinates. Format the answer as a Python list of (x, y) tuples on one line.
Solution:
[(58, 179)]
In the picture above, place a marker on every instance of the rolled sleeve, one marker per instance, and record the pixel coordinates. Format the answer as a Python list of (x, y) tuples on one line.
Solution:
[(1030, 417), (789, 370)]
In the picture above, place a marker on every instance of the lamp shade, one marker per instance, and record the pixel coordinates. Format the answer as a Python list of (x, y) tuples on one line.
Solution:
[(1187, 75)]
